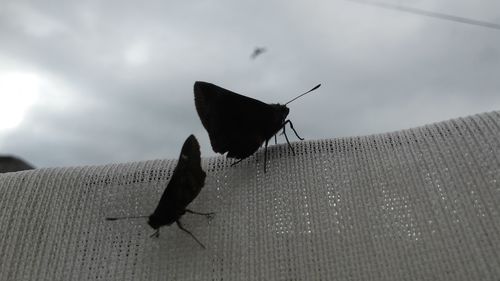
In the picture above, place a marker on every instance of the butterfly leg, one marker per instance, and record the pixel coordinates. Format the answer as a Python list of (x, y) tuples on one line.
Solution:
[(287, 141), (236, 162), (207, 215), (265, 155), (155, 234), (189, 232), (293, 129)]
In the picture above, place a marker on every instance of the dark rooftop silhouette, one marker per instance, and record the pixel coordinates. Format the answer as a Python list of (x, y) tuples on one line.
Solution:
[(10, 163)]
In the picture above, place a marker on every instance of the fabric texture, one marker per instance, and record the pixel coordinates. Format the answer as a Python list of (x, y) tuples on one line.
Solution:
[(417, 204)]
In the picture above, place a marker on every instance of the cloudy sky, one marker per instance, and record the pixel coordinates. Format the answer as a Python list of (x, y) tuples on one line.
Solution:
[(94, 82)]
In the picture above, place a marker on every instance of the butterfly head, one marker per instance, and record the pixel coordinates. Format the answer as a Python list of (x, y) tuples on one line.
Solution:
[(156, 221), (282, 112)]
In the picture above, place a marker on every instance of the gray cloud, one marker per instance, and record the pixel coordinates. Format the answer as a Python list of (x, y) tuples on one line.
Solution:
[(119, 74)]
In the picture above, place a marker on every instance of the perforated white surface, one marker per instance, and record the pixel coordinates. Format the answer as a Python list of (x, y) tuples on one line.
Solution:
[(419, 204)]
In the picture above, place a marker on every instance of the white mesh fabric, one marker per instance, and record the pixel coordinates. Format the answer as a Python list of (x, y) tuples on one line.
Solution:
[(418, 204)]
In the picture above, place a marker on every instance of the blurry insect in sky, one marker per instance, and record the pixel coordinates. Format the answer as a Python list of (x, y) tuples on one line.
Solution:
[(257, 52)]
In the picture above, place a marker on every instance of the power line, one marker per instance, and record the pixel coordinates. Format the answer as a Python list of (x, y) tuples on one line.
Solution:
[(430, 14)]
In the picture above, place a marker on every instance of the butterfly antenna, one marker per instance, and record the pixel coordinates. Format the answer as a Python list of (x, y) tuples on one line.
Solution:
[(317, 86), (121, 218)]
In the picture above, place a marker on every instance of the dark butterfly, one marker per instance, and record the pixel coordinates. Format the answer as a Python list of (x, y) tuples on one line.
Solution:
[(257, 51), (237, 124), (185, 184)]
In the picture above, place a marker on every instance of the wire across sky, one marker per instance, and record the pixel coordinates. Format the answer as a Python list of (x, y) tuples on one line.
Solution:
[(430, 14)]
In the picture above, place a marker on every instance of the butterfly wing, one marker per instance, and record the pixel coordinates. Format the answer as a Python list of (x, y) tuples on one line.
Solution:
[(235, 123), (185, 184)]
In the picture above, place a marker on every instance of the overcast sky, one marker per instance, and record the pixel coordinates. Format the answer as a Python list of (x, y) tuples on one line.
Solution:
[(95, 82)]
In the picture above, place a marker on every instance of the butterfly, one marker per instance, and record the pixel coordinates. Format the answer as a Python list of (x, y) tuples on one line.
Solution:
[(185, 184), (237, 124), (257, 51)]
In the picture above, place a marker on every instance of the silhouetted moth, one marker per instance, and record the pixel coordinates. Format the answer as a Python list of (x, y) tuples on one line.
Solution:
[(185, 184), (237, 124)]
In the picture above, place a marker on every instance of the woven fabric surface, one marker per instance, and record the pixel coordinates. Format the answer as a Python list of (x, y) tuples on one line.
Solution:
[(417, 204)]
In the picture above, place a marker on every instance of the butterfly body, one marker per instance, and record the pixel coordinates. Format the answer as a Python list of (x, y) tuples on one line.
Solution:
[(185, 184), (237, 124)]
